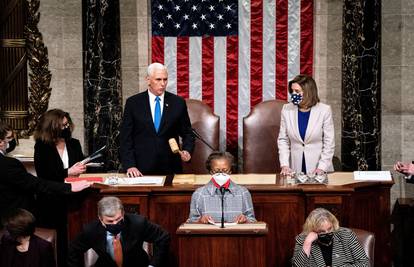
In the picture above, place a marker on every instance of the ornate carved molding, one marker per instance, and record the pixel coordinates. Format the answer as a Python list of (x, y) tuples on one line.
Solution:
[(39, 74)]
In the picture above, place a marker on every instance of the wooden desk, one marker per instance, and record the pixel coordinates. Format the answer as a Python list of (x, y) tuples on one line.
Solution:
[(234, 246), (284, 207)]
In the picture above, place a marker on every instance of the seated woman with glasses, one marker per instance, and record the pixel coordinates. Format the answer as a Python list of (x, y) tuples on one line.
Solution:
[(324, 243), (19, 246), (206, 201), (57, 155)]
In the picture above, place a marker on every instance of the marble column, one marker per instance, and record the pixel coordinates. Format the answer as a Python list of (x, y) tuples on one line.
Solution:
[(361, 85), (102, 77)]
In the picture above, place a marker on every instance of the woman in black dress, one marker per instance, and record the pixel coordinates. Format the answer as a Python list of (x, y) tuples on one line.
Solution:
[(57, 155)]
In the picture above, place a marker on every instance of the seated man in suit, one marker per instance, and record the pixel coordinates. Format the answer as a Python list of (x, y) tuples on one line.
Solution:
[(17, 186), (150, 119), (206, 201), (117, 238)]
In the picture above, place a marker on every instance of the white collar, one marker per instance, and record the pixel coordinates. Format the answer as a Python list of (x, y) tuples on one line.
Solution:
[(152, 97)]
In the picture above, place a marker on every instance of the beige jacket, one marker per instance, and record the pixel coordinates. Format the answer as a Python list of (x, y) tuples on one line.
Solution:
[(319, 143)]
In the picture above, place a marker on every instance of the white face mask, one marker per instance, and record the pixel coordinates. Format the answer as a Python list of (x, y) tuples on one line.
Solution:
[(221, 178)]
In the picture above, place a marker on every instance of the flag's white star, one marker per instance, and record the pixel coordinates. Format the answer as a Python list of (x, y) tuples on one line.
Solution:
[(228, 7), (194, 26), (228, 26), (220, 17), (177, 7), (186, 17), (194, 8), (160, 7), (211, 8), (177, 25), (161, 25), (169, 16), (211, 26), (203, 17)]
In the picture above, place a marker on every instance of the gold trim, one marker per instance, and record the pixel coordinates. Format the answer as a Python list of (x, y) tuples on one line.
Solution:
[(14, 114), (38, 61), (13, 43)]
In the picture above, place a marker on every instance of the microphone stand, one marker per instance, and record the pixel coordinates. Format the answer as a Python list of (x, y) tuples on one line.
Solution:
[(198, 136), (223, 191)]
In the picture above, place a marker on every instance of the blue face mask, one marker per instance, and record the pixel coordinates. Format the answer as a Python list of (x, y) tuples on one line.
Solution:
[(296, 98)]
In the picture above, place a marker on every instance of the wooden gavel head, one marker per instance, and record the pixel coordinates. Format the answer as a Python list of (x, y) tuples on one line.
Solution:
[(173, 145)]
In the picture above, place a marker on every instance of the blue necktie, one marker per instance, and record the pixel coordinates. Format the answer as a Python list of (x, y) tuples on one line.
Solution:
[(157, 114)]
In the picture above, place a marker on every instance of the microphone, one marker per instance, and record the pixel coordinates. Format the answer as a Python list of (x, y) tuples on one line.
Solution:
[(223, 191), (198, 136)]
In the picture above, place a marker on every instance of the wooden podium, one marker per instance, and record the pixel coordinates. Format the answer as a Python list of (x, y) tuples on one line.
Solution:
[(205, 245)]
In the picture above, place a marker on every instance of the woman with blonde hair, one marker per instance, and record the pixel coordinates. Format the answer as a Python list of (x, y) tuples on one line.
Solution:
[(324, 243)]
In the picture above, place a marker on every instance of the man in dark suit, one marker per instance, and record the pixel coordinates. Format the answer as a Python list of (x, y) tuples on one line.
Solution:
[(17, 186), (150, 119), (117, 238)]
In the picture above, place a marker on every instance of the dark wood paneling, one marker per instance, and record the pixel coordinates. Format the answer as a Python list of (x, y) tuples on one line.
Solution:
[(280, 210), (170, 211), (283, 207), (219, 250)]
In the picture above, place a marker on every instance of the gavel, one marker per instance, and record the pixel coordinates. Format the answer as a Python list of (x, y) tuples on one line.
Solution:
[(173, 145)]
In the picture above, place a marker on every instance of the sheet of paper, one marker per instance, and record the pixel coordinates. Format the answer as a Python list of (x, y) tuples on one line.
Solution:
[(372, 176), (225, 224), (152, 180)]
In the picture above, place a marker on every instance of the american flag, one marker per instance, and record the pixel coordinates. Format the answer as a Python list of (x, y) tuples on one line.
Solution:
[(232, 54)]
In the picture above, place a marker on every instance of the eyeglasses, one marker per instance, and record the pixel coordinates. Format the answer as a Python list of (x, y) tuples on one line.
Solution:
[(66, 125)]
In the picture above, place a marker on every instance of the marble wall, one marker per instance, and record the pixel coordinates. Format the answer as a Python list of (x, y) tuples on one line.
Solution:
[(397, 80), (327, 59), (135, 45), (61, 27)]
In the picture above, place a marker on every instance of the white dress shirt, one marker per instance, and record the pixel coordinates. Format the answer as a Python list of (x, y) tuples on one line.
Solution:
[(152, 103), (65, 158)]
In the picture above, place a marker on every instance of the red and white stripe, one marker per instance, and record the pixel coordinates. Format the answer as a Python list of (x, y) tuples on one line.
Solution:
[(232, 74)]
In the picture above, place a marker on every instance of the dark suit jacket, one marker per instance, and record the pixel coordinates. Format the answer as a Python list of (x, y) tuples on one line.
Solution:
[(48, 163), (17, 186), (137, 230), (39, 254), (142, 146)]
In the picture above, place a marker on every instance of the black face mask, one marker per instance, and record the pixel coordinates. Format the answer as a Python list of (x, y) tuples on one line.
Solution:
[(325, 239), (66, 133), (12, 145), (115, 228)]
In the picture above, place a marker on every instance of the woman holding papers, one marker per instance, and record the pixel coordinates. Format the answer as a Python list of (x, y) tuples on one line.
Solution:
[(206, 202), (306, 139), (324, 243), (57, 155)]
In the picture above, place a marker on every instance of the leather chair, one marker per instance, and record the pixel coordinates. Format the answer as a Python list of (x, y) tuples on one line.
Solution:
[(207, 124), (367, 241), (260, 133), (47, 234)]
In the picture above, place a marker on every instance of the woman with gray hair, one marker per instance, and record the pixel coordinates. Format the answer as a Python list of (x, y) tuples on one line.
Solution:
[(324, 243)]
